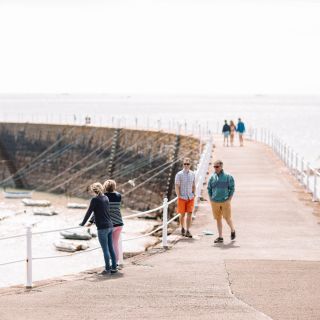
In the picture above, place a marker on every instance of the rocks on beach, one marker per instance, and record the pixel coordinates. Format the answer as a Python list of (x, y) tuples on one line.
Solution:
[(36, 203), (45, 212), (74, 205), (70, 246), (76, 235)]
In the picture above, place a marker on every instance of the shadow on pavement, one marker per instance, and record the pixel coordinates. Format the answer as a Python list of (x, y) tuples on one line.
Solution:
[(222, 246), (99, 277)]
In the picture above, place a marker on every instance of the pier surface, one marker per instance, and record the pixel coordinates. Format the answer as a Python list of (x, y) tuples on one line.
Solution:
[(271, 271)]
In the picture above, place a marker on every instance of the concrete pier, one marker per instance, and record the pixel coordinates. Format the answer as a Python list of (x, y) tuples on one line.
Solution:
[(271, 271)]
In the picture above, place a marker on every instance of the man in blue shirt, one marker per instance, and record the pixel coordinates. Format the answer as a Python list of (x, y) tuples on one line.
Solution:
[(221, 190), (241, 129), (226, 133)]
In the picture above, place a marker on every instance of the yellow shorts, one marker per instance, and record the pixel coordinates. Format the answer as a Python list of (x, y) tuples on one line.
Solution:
[(221, 209)]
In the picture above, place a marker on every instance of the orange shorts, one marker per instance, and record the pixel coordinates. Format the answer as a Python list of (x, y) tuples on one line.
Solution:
[(185, 206)]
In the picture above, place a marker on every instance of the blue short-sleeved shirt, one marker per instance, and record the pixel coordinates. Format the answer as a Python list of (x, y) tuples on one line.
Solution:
[(185, 179)]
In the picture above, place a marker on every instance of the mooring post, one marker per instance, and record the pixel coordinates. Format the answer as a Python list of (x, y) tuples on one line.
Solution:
[(29, 257)]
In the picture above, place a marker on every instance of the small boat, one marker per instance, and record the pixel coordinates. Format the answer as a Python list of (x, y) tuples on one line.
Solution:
[(17, 194), (44, 212), (74, 205), (69, 246), (36, 203), (76, 235)]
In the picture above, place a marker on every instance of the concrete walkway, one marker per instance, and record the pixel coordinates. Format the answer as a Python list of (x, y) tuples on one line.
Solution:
[(195, 279)]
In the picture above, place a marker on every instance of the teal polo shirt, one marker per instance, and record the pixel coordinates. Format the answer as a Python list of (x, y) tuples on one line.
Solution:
[(220, 187)]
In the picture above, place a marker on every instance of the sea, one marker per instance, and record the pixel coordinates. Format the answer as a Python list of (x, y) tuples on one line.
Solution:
[(293, 118)]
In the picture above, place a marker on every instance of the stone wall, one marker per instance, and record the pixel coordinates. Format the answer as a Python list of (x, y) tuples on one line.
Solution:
[(66, 159)]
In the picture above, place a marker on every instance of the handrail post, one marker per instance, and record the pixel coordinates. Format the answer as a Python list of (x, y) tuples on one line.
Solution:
[(314, 196), (164, 224), (29, 257)]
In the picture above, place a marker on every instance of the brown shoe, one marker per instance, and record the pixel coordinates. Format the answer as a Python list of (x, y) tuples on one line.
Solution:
[(183, 232)]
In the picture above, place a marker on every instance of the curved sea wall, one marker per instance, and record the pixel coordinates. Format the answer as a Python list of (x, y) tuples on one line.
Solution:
[(65, 159)]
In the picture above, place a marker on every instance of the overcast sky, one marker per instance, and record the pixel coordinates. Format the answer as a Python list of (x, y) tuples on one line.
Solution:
[(161, 47)]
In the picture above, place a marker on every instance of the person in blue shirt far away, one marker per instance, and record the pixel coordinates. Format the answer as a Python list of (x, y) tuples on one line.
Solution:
[(241, 129)]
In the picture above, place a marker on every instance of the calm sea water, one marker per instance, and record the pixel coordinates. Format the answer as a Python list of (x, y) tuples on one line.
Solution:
[(293, 118)]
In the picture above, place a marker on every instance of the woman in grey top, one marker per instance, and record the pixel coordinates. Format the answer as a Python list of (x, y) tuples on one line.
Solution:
[(115, 201)]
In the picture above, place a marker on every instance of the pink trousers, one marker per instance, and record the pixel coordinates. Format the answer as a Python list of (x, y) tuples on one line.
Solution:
[(115, 240)]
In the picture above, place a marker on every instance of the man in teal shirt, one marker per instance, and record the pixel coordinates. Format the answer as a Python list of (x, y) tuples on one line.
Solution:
[(221, 190)]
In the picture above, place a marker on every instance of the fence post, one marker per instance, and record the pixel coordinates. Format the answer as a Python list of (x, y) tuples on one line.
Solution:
[(29, 257), (297, 169), (164, 224), (314, 196), (302, 171), (308, 177), (120, 250)]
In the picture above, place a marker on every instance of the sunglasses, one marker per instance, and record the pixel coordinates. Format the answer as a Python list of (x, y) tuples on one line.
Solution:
[(187, 164), (216, 167)]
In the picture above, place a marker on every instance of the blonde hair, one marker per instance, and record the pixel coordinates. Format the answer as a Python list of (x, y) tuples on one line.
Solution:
[(109, 186), (97, 188)]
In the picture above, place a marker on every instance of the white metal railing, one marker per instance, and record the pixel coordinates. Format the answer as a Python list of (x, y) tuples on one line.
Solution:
[(200, 178), (202, 169), (301, 169)]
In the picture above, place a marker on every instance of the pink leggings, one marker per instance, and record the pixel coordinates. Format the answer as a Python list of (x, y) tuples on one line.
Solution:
[(115, 240)]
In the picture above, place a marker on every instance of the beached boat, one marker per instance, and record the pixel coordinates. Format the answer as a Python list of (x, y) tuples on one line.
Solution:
[(45, 212), (70, 246), (17, 194), (76, 235), (73, 205), (36, 203)]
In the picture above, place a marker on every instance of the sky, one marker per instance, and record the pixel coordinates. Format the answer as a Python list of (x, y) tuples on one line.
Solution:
[(160, 47)]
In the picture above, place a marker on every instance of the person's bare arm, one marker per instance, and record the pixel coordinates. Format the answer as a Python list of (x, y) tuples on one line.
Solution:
[(194, 187), (177, 189), (177, 185)]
